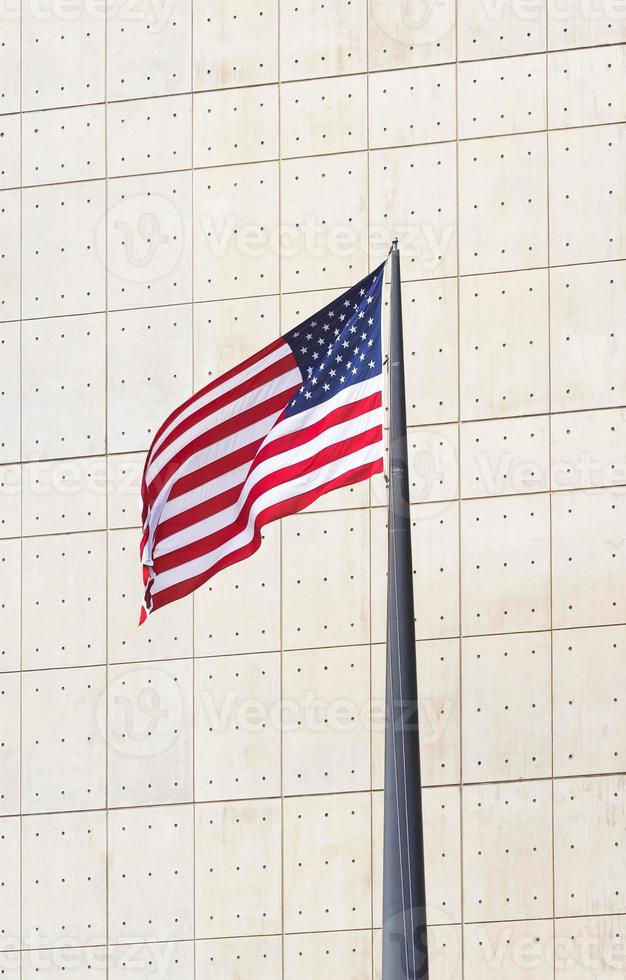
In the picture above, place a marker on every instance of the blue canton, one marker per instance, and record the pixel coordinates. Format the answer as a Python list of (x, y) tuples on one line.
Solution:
[(339, 346)]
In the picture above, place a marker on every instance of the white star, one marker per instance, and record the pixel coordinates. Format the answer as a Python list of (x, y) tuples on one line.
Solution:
[(329, 351), (345, 344), (370, 321), (304, 350), (362, 357), (315, 355), (339, 358), (332, 313), (320, 341), (349, 364), (363, 336), (356, 351), (361, 315), (342, 379), (371, 364), (325, 328), (369, 343), (336, 331), (309, 336), (332, 372), (347, 302), (352, 329), (314, 381), (362, 293), (308, 394), (326, 387), (370, 299), (354, 370), (342, 317)]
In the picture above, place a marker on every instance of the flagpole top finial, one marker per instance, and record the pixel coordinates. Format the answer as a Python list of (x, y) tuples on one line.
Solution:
[(394, 245)]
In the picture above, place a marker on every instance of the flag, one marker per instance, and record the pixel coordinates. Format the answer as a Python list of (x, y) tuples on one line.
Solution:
[(301, 417)]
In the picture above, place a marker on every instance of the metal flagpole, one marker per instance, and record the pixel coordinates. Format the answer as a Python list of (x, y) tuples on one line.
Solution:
[(405, 949)]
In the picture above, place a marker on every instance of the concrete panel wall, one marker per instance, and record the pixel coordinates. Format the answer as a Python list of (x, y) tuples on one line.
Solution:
[(180, 183)]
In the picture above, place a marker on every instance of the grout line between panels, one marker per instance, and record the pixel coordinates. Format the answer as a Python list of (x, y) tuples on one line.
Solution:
[(503, 497), (357, 791), (106, 502), (280, 531), (382, 148), (334, 646), (21, 572), (192, 232), (434, 424), (305, 292), (550, 516), (459, 484), (369, 516), (376, 72), (319, 932)]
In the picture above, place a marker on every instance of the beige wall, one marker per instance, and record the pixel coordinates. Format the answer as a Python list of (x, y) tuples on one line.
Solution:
[(180, 186)]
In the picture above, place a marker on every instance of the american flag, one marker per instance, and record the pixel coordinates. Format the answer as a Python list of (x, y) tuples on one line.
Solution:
[(301, 417)]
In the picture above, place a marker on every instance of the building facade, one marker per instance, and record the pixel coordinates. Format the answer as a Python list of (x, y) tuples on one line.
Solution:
[(201, 797)]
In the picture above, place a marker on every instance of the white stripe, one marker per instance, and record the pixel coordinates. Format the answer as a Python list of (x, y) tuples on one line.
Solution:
[(284, 491), (309, 416), (251, 398), (224, 518), (216, 451), (186, 501), (221, 389), (204, 457)]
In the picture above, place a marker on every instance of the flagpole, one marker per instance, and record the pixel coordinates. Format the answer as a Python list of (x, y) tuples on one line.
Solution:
[(405, 948)]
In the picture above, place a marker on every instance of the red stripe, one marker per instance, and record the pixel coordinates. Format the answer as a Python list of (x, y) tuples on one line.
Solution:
[(281, 509), (345, 413), (291, 440), (216, 434), (191, 481), (238, 369), (275, 370), (209, 543), (194, 514)]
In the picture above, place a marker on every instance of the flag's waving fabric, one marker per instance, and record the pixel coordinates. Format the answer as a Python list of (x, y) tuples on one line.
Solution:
[(298, 419)]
